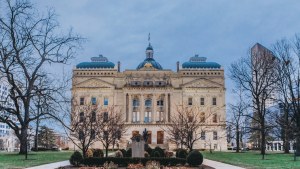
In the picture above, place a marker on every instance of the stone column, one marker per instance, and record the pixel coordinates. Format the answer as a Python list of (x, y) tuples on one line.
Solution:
[(277, 144), (142, 113), (154, 104), (130, 108), (166, 110), (125, 107)]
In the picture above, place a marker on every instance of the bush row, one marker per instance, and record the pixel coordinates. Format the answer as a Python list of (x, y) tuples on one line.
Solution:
[(126, 160)]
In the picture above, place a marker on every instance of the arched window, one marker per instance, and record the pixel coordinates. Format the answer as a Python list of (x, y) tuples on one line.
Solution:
[(135, 103), (148, 103)]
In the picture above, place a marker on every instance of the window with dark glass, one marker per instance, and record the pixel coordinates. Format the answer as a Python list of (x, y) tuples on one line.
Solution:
[(93, 116), (81, 100), (105, 101), (135, 103), (81, 117), (105, 117), (203, 135), (214, 101), (160, 103), (202, 101), (215, 135), (190, 101), (148, 103), (191, 118), (93, 100)]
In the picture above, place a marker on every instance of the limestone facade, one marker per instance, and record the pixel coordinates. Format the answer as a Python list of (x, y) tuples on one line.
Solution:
[(149, 95)]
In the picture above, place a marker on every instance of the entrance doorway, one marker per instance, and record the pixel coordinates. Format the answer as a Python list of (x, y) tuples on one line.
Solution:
[(160, 137)]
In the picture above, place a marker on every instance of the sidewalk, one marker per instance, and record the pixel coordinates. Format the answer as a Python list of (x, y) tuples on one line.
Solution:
[(52, 165), (219, 165)]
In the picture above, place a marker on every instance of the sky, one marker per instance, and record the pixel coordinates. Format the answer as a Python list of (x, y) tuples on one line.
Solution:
[(221, 30)]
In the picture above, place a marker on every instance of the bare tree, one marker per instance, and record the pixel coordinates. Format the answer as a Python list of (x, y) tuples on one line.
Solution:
[(84, 126), (29, 44), (237, 121), (289, 88), (111, 127), (187, 124), (257, 76)]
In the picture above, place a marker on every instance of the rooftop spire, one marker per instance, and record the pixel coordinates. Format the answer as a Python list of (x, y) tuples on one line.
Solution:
[(149, 49)]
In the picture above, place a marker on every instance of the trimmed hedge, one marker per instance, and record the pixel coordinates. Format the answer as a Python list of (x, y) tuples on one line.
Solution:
[(181, 153), (194, 158), (76, 158), (157, 152), (125, 161)]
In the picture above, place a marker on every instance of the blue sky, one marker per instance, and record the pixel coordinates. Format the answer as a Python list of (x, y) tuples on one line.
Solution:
[(221, 30)]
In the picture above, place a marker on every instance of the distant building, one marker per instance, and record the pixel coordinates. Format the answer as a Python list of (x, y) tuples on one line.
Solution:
[(149, 94), (8, 140)]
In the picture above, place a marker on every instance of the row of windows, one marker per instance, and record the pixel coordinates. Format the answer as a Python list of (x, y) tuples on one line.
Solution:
[(108, 73), (148, 83), (215, 135), (194, 73), (93, 101), (202, 101), (93, 116), (148, 103)]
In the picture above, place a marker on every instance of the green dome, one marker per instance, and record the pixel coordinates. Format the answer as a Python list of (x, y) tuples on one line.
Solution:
[(96, 62), (149, 61), (200, 62)]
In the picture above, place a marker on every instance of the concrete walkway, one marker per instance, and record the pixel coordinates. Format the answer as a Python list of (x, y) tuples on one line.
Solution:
[(219, 165), (52, 165)]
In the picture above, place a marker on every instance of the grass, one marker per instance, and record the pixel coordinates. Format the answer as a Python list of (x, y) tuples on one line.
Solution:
[(14, 160), (252, 160)]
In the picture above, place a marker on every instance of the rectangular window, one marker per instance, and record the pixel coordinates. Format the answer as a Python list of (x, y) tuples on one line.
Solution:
[(215, 118), (81, 100), (93, 100), (105, 117), (214, 101), (135, 116), (160, 103), (215, 135), (201, 101), (105, 102), (147, 117), (203, 135), (190, 101)]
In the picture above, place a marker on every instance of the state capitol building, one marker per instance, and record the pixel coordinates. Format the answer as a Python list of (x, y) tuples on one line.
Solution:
[(149, 94)]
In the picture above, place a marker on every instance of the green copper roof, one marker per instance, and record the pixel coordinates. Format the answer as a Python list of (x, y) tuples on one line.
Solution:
[(151, 61), (200, 62), (96, 62)]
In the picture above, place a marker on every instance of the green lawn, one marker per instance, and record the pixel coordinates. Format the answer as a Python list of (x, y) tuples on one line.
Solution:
[(13, 160), (253, 160)]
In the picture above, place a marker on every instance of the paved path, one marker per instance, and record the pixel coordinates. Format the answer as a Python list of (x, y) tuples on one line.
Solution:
[(52, 165), (219, 165)]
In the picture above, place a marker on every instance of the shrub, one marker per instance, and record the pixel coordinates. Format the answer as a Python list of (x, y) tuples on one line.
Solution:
[(128, 153), (123, 152), (98, 153), (181, 153), (157, 152), (146, 154), (119, 153), (76, 158), (169, 154), (128, 160), (89, 153), (149, 150), (194, 158)]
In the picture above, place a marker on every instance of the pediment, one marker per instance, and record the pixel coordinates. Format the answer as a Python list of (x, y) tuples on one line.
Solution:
[(202, 83), (94, 83)]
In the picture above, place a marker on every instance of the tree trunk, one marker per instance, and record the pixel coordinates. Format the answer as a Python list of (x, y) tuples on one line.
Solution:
[(263, 143), (23, 141), (106, 151), (237, 139)]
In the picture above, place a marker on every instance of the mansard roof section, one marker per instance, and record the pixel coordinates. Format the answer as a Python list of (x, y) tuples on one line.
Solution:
[(99, 62), (197, 62)]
